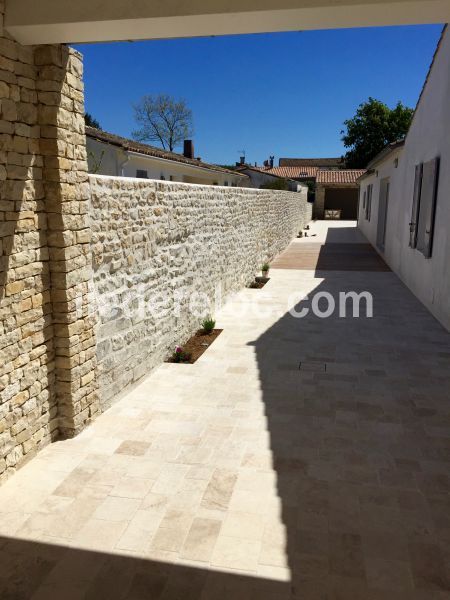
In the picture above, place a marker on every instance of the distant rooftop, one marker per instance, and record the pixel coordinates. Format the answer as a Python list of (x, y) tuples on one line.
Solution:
[(307, 172), (312, 162)]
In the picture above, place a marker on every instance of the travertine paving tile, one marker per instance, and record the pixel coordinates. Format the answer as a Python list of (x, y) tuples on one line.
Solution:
[(242, 556), (132, 487), (220, 489), (249, 526), (99, 534), (201, 539), (116, 508)]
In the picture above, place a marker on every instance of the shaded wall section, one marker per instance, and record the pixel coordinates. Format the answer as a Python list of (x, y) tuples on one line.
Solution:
[(46, 334)]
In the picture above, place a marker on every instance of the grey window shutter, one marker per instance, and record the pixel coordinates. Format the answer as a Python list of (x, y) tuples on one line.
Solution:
[(369, 202), (415, 206), (427, 209)]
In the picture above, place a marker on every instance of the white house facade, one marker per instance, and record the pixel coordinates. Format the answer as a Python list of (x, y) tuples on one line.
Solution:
[(404, 203), (110, 154)]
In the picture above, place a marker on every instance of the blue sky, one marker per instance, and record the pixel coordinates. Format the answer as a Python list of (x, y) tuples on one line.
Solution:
[(285, 94)]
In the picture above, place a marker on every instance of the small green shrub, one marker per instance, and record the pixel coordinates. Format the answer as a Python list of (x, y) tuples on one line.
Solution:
[(265, 267), (208, 324)]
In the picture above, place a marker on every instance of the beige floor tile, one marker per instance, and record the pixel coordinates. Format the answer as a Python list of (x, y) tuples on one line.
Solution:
[(168, 540), (132, 448), (244, 525), (250, 502), (273, 556), (139, 532), (235, 553), (115, 508), (220, 489), (132, 487), (201, 539), (156, 503), (98, 534)]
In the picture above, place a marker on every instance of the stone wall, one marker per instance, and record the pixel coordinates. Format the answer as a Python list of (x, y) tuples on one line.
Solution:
[(148, 238), (28, 413), (154, 243), (45, 330), (319, 202)]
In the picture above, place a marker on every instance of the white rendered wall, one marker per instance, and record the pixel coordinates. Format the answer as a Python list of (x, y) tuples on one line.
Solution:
[(428, 137), (106, 159)]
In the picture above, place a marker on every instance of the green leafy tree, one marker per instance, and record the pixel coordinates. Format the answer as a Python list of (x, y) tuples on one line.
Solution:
[(164, 120), (373, 127), (276, 184), (90, 121)]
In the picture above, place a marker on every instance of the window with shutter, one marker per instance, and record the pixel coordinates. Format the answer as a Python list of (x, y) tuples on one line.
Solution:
[(427, 207), (415, 206), (141, 174)]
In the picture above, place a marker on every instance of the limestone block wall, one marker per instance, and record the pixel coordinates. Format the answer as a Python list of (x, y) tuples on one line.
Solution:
[(47, 345), (155, 243), (28, 413)]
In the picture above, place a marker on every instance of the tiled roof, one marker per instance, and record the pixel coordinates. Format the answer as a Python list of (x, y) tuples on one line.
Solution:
[(133, 146), (311, 162), (340, 176), (242, 168), (294, 172)]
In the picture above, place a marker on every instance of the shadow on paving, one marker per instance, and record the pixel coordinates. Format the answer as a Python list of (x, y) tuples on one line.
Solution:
[(358, 417), (37, 571)]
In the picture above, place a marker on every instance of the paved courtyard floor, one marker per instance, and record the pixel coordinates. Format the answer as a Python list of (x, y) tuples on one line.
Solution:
[(299, 458)]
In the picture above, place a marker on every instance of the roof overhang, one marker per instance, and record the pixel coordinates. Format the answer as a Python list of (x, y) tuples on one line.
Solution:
[(66, 21)]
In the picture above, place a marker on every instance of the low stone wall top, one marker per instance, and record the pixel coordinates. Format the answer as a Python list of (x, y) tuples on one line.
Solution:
[(155, 243)]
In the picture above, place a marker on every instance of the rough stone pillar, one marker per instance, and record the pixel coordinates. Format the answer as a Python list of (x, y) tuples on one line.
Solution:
[(63, 147), (319, 202), (47, 337), (28, 410)]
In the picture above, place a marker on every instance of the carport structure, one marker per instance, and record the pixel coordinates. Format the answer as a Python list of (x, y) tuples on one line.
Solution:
[(48, 22), (337, 191)]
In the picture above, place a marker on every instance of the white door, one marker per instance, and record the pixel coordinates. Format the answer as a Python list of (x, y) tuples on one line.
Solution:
[(382, 212)]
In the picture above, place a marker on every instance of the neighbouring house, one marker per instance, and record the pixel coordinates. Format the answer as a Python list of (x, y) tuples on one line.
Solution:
[(404, 197), (261, 178), (110, 154), (334, 187)]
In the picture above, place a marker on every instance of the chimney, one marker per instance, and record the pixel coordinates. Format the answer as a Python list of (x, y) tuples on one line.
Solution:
[(242, 160), (271, 159), (188, 149)]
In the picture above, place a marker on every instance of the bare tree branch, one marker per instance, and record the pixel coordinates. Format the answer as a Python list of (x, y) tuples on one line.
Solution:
[(162, 119)]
